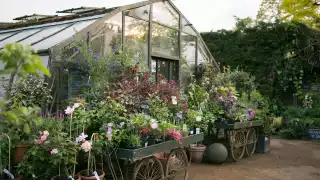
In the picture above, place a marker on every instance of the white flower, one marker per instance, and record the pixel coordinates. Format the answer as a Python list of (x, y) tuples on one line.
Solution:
[(198, 118), (86, 146), (154, 125), (76, 105), (46, 133), (110, 124), (81, 138), (121, 124), (54, 151), (174, 100)]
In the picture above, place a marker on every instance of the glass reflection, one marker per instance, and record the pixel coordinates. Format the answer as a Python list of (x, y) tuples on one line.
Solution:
[(163, 68), (136, 37), (165, 14), (140, 13), (108, 35), (187, 27), (188, 48), (164, 41)]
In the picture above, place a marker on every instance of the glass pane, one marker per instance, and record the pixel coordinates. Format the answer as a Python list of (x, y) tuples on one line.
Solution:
[(18, 36), (188, 48), (187, 27), (4, 35), (44, 33), (63, 35), (107, 35), (163, 68), (45, 60), (153, 67), (164, 13), (136, 37), (141, 12), (202, 55), (165, 41), (175, 71)]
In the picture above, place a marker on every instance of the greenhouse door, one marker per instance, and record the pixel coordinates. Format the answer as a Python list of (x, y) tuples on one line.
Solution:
[(168, 68)]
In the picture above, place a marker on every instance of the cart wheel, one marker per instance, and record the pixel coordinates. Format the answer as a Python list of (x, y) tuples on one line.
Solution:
[(251, 141), (237, 144), (177, 164), (148, 169)]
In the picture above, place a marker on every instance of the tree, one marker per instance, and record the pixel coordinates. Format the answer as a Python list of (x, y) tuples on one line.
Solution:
[(305, 11)]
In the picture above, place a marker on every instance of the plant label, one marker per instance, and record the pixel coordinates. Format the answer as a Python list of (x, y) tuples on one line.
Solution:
[(96, 175), (8, 173), (70, 177)]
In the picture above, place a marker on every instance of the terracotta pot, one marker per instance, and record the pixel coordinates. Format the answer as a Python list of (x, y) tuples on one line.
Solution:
[(76, 178), (196, 153), (91, 177), (19, 152)]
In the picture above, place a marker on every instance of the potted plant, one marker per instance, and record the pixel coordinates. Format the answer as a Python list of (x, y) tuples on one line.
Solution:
[(93, 148), (196, 152), (20, 121), (63, 155)]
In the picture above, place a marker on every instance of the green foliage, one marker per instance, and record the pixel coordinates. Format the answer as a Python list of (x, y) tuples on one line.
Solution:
[(274, 53), (305, 11), (29, 92), (133, 141), (21, 60), (197, 97), (158, 109)]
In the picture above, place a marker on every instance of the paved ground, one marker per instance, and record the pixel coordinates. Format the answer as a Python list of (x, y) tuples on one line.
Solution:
[(287, 160)]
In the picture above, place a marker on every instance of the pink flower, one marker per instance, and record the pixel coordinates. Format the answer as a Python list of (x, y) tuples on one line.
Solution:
[(69, 110), (43, 138), (54, 151), (154, 125), (86, 146)]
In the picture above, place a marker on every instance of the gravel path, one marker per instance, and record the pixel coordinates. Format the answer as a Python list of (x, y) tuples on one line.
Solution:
[(287, 160)]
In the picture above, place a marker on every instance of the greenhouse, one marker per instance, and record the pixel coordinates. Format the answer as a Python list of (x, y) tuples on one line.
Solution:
[(155, 30)]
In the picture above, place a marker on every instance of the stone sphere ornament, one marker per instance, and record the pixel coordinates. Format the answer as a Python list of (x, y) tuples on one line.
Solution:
[(216, 153)]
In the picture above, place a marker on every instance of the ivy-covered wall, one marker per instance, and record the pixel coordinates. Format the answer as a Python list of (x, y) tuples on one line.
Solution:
[(284, 57)]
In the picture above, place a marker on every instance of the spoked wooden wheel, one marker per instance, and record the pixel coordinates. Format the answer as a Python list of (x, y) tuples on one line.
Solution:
[(148, 169), (237, 142), (177, 164), (251, 141)]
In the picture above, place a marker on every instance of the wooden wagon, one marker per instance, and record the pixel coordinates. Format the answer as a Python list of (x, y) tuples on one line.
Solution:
[(240, 138), (142, 164)]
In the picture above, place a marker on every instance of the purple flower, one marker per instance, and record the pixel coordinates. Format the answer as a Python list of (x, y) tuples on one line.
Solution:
[(115, 49), (109, 133), (251, 113), (179, 115), (90, 51)]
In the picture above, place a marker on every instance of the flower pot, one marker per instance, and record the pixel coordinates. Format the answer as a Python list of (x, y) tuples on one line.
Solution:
[(82, 173), (64, 177), (196, 153), (19, 152)]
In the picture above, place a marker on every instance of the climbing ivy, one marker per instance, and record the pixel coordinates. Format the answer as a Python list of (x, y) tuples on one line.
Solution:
[(282, 56)]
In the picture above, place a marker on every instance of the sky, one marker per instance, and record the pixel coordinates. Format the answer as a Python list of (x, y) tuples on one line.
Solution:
[(205, 15)]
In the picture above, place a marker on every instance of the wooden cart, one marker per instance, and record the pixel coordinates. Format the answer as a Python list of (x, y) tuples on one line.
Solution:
[(240, 138), (142, 164)]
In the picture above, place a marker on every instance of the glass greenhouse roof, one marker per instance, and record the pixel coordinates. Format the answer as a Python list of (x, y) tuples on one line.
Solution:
[(47, 35)]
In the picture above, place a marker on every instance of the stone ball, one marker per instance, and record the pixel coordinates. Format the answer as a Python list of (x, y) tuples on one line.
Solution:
[(216, 153)]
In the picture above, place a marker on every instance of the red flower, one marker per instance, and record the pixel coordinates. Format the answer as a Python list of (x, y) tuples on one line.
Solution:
[(97, 137)]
